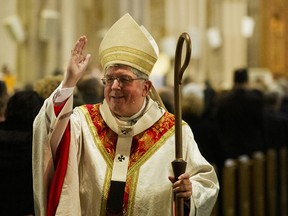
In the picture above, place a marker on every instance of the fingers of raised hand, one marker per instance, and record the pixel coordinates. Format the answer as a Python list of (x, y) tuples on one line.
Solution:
[(77, 51), (74, 52)]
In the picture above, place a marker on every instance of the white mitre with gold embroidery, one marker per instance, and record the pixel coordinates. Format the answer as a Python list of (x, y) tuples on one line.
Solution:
[(129, 44)]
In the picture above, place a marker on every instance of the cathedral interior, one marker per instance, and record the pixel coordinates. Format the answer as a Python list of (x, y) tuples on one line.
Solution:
[(37, 35)]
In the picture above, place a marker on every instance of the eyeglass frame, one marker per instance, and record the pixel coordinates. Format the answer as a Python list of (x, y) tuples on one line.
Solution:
[(122, 80)]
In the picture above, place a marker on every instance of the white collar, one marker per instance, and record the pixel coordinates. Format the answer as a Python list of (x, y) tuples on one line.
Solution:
[(148, 115)]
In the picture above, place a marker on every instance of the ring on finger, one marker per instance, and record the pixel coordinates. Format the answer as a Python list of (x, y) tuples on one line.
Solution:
[(74, 52)]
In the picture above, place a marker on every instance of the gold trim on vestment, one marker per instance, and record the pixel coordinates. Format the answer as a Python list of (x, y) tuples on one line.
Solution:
[(134, 169), (106, 187), (106, 156), (132, 193), (96, 138)]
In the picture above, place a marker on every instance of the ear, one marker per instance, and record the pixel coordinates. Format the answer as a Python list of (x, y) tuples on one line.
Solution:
[(146, 88)]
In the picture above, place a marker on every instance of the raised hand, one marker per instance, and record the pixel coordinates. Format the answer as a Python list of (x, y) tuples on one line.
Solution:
[(77, 64)]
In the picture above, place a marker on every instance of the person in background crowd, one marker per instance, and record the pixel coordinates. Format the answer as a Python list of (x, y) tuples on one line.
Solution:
[(90, 90), (167, 96), (210, 96), (4, 96), (204, 128), (114, 157), (283, 82), (9, 78), (44, 87), (239, 118), (16, 192), (275, 122)]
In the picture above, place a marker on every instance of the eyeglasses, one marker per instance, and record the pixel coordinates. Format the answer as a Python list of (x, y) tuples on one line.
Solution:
[(123, 80)]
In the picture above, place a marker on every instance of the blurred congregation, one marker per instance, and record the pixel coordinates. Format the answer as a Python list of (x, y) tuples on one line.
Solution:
[(234, 94)]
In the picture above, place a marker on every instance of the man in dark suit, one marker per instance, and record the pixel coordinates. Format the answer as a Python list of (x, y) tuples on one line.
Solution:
[(16, 191), (239, 117)]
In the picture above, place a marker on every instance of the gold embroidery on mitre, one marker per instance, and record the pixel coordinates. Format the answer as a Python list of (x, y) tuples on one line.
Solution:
[(128, 56)]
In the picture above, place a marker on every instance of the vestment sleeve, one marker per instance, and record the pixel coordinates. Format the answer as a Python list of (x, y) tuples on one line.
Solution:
[(205, 185), (50, 151)]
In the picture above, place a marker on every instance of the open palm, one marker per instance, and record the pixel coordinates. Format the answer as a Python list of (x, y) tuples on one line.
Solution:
[(77, 64)]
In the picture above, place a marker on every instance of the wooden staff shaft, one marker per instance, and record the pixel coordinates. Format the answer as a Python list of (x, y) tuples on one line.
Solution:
[(179, 165)]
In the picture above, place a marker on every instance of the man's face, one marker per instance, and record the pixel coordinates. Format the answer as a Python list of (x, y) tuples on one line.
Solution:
[(124, 91)]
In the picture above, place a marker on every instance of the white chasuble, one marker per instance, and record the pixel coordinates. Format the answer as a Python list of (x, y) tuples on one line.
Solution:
[(94, 136)]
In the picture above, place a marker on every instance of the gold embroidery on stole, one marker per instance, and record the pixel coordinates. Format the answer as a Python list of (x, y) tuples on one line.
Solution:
[(156, 136)]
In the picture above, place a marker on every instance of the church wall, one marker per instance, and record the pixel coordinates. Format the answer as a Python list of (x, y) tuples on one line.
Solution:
[(166, 19), (274, 42), (8, 51)]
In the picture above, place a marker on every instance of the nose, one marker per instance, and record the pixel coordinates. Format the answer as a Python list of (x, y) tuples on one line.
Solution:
[(115, 85)]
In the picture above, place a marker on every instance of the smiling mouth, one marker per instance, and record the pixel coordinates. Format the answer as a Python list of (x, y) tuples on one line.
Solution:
[(117, 97)]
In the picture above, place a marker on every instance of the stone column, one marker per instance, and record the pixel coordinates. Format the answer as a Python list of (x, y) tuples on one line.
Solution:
[(235, 45), (39, 54), (8, 51), (30, 61), (69, 24), (274, 41), (214, 59), (189, 16)]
